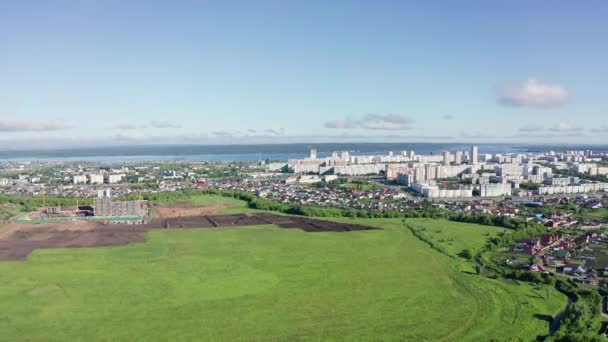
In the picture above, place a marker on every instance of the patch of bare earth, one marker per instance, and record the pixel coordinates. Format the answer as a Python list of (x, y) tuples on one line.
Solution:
[(181, 210), (22, 238), (17, 240)]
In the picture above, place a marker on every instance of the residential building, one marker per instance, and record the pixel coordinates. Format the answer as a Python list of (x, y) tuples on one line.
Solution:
[(95, 178), (79, 179)]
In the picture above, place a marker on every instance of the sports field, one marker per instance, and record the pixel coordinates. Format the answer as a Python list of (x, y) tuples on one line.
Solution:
[(264, 283)]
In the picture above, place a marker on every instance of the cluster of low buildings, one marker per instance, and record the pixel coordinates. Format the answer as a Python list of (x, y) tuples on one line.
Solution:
[(570, 255), (297, 190)]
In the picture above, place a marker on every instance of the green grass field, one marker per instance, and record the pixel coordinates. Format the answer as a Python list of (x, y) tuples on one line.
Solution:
[(367, 186), (454, 237), (6, 213), (597, 213), (233, 205), (264, 283)]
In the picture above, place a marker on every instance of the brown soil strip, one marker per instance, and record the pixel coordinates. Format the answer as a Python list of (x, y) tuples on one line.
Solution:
[(181, 210), (17, 240)]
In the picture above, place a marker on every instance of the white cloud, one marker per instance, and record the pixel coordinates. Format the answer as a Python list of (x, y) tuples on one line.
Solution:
[(560, 130), (163, 124), (601, 129), (344, 124), (275, 132), (447, 117), (390, 122), (151, 124), (9, 125), (531, 128), (533, 93), (128, 126), (223, 133), (565, 128)]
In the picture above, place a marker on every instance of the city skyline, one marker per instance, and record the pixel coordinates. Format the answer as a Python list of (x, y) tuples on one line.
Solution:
[(92, 73)]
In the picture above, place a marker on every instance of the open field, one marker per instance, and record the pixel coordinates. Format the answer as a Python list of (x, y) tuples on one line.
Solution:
[(601, 213), (454, 237), (186, 209), (18, 239), (211, 203), (600, 252), (365, 186), (6, 213), (264, 283)]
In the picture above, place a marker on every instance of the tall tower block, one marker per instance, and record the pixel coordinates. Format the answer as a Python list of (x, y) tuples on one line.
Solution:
[(474, 155)]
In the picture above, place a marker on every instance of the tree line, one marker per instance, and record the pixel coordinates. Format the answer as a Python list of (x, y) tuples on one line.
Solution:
[(31, 203)]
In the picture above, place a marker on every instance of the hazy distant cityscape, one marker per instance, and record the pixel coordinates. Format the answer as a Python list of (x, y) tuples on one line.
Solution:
[(456, 174)]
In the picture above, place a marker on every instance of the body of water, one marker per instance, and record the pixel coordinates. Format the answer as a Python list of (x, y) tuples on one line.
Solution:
[(279, 152)]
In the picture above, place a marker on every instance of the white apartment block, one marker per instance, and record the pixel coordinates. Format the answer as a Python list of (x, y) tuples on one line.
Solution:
[(357, 170), (512, 169), (114, 178), (433, 191), (495, 189), (564, 181), (474, 157), (79, 179), (275, 166), (572, 189), (95, 178), (598, 171)]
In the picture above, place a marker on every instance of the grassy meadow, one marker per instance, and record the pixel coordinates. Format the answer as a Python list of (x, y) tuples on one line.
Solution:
[(6, 213), (601, 213), (228, 205), (454, 237), (232, 205), (265, 283)]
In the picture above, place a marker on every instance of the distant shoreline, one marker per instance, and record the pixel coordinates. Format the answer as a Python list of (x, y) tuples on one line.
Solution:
[(262, 151)]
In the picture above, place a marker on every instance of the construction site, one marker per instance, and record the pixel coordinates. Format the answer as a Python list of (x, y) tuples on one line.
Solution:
[(62, 228), (104, 209)]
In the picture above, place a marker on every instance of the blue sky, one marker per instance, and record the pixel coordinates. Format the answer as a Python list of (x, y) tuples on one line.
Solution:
[(101, 72)]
